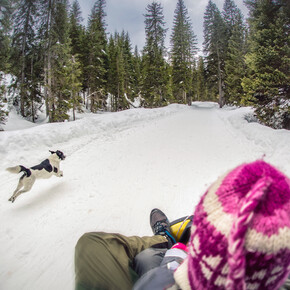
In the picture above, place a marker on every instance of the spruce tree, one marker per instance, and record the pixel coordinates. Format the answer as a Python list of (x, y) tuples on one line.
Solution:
[(112, 84), (155, 83), (96, 69), (47, 39), (267, 86), (3, 111), (73, 84), (76, 29), (6, 10), (183, 49), (77, 38), (201, 91), (23, 41), (61, 69), (116, 72), (128, 65), (215, 50), (136, 86), (235, 66)]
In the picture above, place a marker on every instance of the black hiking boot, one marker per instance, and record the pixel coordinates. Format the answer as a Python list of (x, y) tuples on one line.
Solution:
[(160, 226)]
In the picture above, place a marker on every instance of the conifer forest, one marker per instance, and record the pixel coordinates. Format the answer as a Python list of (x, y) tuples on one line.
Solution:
[(61, 66)]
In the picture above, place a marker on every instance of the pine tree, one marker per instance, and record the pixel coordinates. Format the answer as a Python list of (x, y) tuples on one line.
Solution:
[(215, 50), (76, 29), (183, 42), (267, 87), (65, 68), (77, 38), (60, 67), (155, 70), (3, 111), (6, 10), (48, 39), (201, 91), (73, 85), (128, 65), (235, 67), (116, 72), (136, 86), (97, 57), (23, 41)]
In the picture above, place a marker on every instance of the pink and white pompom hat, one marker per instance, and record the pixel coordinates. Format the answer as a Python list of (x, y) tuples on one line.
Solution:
[(240, 236)]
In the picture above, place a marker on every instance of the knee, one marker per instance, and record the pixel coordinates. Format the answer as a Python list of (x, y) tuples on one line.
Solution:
[(83, 243)]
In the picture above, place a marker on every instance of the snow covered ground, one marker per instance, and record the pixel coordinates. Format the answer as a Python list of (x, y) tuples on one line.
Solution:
[(118, 167)]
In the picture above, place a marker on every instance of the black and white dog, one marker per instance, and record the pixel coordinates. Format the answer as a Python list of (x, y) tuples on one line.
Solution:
[(45, 169)]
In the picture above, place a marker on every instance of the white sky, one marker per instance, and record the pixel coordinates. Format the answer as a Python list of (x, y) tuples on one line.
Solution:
[(128, 15)]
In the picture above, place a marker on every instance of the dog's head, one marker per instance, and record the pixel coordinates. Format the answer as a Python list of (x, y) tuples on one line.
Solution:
[(60, 154)]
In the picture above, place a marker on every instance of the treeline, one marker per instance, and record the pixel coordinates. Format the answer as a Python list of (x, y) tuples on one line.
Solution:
[(58, 64)]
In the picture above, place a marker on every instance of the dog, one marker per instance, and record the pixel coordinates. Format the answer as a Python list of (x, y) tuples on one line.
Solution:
[(45, 169)]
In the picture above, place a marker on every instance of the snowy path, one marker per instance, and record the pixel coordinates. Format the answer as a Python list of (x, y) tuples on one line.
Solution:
[(114, 174)]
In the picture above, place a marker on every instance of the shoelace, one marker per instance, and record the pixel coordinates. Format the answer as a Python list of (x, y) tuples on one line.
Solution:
[(159, 227)]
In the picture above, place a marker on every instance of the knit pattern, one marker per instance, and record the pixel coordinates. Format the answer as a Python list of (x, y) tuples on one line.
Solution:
[(240, 236)]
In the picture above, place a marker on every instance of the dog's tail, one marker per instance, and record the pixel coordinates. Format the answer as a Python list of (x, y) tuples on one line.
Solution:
[(17, 169)]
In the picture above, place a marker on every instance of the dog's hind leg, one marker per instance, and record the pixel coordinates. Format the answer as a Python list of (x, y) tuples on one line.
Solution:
[(19, 186), (26, 184)]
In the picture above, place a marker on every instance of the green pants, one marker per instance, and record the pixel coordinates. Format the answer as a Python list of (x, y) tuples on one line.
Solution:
[(102, 261)]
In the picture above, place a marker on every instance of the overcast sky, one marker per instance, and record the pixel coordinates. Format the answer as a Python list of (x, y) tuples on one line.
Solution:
[(129, 15)]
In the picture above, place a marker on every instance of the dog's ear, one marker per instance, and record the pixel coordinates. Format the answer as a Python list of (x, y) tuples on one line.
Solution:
[(51, 151)]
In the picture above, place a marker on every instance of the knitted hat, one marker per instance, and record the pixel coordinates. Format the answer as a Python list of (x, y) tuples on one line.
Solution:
[(240, 235)]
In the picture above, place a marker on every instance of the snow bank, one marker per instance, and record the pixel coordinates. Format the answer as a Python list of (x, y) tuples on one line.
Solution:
[(28, 136)]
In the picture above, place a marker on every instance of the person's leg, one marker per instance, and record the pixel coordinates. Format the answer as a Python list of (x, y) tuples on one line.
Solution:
[(102, 261), (147, 260)]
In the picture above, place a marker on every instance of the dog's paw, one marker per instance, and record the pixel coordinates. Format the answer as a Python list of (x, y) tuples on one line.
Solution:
[(11, 199), (60, 174)]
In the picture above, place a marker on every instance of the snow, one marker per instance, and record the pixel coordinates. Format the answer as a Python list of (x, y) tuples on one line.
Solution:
[(118, 167)]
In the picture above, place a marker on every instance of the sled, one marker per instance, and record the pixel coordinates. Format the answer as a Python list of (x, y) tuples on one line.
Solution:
[(180, 229)]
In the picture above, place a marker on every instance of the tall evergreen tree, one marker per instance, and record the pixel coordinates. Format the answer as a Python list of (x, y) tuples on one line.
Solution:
[(78, 40), (183, 42), (6, 11), (201, 90), (267, 87), (3, 111), (97, 57), (60, 63), (136, 87), (128, 63), (60, 67), (116, 72), (23, 41), (48, 39), (215, 49), (235, 67), (155, 70), (76, 30)]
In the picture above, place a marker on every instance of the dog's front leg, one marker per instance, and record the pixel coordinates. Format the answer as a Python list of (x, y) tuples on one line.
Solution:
[(57, 172)]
